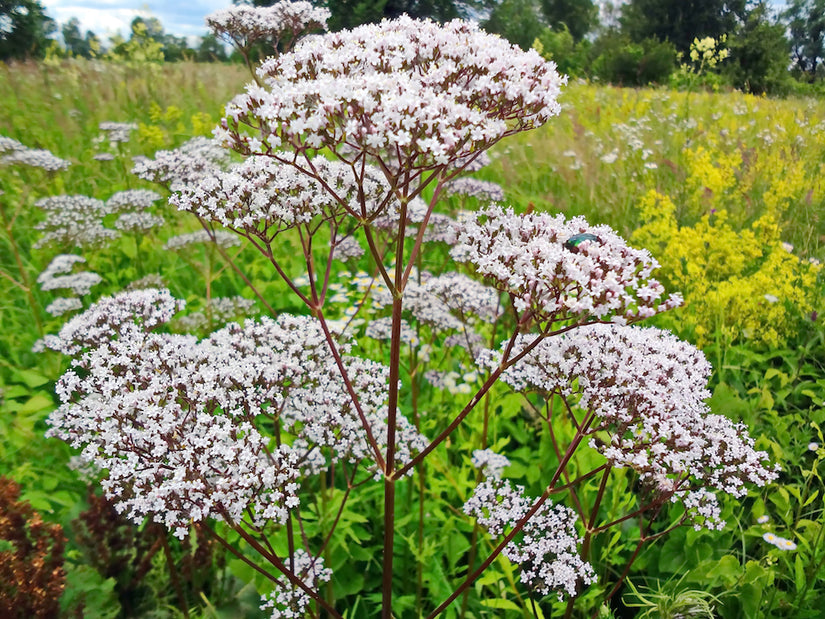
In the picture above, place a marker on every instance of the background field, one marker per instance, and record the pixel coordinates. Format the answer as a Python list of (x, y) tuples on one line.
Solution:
[(726, 190)]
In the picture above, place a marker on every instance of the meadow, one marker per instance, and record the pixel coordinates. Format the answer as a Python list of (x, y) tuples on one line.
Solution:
[(726, 191)]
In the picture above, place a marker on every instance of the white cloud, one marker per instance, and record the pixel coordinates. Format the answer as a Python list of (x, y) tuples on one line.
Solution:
[(106, 17)]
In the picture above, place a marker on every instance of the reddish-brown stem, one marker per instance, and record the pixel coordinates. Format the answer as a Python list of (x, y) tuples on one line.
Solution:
[(288, 574), (379, 459), (173, 574)]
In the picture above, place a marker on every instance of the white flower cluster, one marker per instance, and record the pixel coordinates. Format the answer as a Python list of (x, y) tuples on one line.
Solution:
[(538, 259), (426, 93), (35, 158), (288, 601), (445, 303), (472, 163), (10, 145), (262, 197), (381, 329), (647, 389), (58, 275), (221, 238), (60, 306), (153, 280), (13, 152), (546, 552), (138, 222), (132, 200), (347, 247), (172, 418), (243, 25), (117, 132), (141, 310), (175, 169), (490, 462), (74, 221), (487, 191), (220, 309)]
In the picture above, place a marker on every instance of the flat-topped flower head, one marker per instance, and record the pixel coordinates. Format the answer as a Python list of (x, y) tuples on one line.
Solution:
[(132, 200), (35, 158), (546, 551), (244, 25), (647, 389), (287, 600), (74, 221), (414, 93), (175, 169), (175, 420), (562, 270), (262, 196)]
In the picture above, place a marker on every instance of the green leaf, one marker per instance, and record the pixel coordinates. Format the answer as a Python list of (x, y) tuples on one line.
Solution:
[(502, 604), (37, 403), (31, 378), (799, 573)]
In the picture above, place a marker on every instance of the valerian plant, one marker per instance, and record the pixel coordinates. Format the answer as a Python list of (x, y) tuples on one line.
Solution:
[(351, 142)]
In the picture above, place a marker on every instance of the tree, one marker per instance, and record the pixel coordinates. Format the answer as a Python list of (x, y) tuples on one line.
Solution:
[(518, 21), (210, 49), (74, 41), (759, 54), (24, 29), (682, 21), (806, 25), (579, 16)]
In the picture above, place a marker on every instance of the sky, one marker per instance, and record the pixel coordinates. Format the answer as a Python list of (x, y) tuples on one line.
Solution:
[(179, 17), (106, 17)]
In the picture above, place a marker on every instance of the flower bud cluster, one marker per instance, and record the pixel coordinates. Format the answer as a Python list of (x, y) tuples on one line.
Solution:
[(532, 258), (243, 25), (428, 94), (289, 601), (647, 389), (546, 550)]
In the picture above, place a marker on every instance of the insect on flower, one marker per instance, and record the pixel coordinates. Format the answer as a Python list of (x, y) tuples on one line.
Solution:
[(577, 239)]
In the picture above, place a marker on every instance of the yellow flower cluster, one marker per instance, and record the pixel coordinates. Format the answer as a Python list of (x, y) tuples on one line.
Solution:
[(711, 177), (737, 284), (166, 123)]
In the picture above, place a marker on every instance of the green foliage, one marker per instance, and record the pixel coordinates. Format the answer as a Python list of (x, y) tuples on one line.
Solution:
[(24, 29), (619, 60), (571, 57), (680, 22), (759, 55), (578, 17), (518, 21), (806, 25), (779, 391)]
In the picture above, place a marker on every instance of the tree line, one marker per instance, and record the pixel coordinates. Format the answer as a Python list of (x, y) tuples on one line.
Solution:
[(758, 47)]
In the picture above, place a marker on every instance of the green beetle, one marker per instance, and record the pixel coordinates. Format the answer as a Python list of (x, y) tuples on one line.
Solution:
[(577, 239)]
